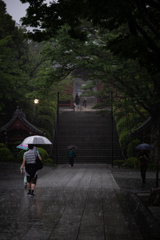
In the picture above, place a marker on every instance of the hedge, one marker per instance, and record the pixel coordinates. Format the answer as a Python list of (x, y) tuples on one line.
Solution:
[(5, 155)]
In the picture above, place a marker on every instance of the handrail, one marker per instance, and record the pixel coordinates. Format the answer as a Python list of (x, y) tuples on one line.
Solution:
[(56, 132)]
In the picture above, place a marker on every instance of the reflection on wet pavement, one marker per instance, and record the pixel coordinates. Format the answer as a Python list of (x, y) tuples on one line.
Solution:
[(80, 203)]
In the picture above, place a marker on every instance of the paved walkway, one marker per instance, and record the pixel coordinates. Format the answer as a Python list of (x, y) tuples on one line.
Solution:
[(80, 203)]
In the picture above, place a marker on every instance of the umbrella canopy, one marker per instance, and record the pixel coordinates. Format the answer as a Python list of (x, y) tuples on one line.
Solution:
[(144, 146), (36, 140), (72, 147), (25, 147)]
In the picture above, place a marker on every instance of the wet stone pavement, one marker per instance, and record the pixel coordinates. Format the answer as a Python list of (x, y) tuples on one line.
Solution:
[(80, 203)]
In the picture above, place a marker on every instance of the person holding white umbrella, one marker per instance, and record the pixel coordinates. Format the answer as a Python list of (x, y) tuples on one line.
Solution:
[(29, 162), (25, 147)]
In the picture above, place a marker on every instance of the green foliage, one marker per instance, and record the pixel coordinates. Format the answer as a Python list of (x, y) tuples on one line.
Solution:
[(43, 154), (122, 125), (127, 120), (20, 156), (152, 166), (119, 163), (134, 34), (48, 162), (131, 162), (132, 146), (115, 42), (11, 158), (117, 114), (124, 139), (5, 155), (48, 111), (46, 115), (132, 71), (13, 62), (24, 76), (46, 123), (2, 145)]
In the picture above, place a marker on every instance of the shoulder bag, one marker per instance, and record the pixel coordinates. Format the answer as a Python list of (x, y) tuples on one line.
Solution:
[(39, 163)]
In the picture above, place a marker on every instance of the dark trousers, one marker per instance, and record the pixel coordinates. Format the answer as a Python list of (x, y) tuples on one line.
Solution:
[(85, 103), (143, 170), (71, 161)]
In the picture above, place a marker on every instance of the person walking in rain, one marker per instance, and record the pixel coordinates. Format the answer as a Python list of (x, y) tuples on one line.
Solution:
[(85, 102), (29, 161), (71, 156), (77, 99), (143, 158)]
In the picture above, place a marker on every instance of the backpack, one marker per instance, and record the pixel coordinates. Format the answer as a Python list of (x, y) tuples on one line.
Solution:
[(71, 154)]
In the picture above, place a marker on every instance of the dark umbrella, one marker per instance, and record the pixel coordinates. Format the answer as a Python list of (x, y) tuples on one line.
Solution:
[(144, 146), (72, 147)]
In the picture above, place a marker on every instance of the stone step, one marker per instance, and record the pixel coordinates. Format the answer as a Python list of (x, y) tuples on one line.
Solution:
[(91, 146), (95, 147), (91, 152), (91, 133), (77, 117), (89, 159), (89, 140)]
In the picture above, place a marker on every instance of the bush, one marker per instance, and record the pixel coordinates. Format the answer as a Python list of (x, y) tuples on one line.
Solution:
[(132, 146), (124, 140), (2, 145), (5, 155), (117, 114), (48, 161), (46, 122), (152, 166), (131, 162), (20, 156), (121, 125), (119, 163), (43, 154), (11, 159)]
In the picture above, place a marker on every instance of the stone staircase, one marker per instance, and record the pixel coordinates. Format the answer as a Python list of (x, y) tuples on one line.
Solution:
[(91, 133)]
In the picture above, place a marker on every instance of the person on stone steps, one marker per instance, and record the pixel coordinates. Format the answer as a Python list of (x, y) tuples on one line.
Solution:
[(71, 155)]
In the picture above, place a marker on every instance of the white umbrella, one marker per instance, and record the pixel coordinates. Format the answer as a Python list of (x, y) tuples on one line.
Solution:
[(36, 140)]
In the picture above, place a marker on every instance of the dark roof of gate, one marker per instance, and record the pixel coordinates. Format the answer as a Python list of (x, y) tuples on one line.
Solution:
[(19, 114)]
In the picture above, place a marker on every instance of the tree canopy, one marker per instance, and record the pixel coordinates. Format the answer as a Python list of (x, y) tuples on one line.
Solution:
[(114, 42), (127, 77), (128, 43), (24, 76), (13, 57), (141, 18)]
